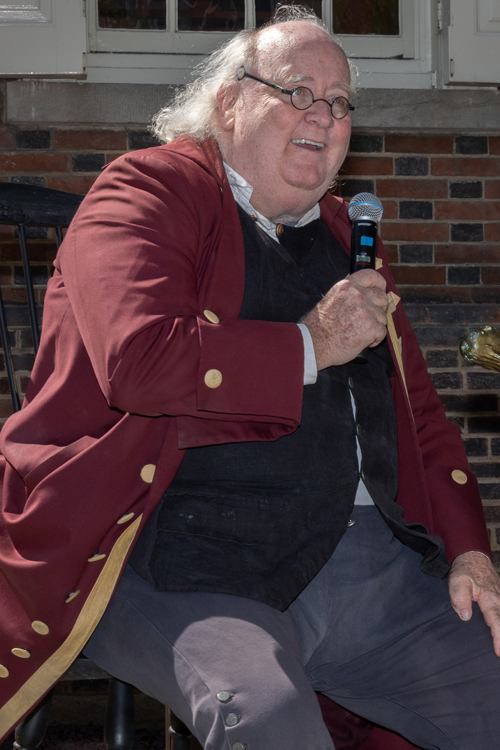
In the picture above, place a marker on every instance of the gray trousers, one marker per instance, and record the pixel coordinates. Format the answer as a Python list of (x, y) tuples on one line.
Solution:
[(371, 631)]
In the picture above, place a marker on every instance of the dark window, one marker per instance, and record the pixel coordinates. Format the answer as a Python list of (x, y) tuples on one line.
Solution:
[(132, 14), (366, 17), (211, 15), (264, 9)]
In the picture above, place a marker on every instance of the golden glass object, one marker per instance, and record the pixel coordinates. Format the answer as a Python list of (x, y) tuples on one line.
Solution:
[(482, 347)]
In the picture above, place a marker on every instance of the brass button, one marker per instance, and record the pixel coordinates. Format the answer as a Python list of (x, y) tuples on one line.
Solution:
[(96, 556), (40, 627), (459, 476), (211, 316), (148, 473), (126, 517), (21, 652), (4, 672), (280, 229), (213, 378), (72, 596)]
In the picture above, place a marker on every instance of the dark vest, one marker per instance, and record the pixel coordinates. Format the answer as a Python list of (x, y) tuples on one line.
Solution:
[(260, 519)]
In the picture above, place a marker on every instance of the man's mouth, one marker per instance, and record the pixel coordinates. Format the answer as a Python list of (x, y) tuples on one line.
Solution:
[(305, 143)]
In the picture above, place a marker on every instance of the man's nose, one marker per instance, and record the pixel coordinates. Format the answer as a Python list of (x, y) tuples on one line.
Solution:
[(321, 112)]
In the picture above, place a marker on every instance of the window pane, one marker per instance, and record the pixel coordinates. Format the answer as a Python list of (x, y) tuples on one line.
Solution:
[(264, 9), (132, 14), (210, 15), (366, 17)]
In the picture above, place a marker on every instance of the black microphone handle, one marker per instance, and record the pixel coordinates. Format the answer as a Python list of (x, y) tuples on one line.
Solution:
[(363, 254)]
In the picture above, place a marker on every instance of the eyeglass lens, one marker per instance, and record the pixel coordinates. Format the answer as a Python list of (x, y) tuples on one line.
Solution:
[(303, 98)]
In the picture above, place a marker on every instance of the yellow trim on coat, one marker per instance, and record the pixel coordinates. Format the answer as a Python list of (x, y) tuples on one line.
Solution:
[(88, 619), (397, 343)]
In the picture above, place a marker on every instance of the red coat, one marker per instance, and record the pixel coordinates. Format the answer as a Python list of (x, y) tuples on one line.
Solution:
[(119, 390)]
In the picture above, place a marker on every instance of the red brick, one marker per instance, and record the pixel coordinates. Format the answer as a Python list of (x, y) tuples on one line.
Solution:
[(468, 210), (392, 253), (419, 274), (5, 407), (495, 144), (367, 165), (390, 209), (492, 189), (420, 232), (5, 275), (31, 162), (492, 232), (468, 253), (7, 140), (6, 231), (485, 295), (415, 144), (80, 185), (108, 158), (490, 275), (466, 167), (409, 188), (437, 294), (91, 140), (15, 295)]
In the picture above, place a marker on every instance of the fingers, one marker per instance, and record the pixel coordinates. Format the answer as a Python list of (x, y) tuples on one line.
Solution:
[(491, 613), (473, 578), (369, 278), (460, 588), (349, 318)]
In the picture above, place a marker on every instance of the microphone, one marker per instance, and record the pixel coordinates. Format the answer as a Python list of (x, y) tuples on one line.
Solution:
[(365, 211)]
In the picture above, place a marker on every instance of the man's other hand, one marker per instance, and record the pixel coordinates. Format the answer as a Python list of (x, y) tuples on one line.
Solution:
[(350, 317), (473, 579)]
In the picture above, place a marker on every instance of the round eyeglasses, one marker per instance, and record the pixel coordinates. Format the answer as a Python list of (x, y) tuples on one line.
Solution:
[(303, 98)]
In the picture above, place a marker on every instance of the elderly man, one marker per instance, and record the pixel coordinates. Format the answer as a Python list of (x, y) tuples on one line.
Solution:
[(196, 393)]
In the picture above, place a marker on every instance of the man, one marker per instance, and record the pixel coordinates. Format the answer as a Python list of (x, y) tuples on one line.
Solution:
[(174, 384)]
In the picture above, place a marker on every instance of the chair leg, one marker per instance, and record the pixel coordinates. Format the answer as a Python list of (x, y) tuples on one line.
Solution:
[(30, 732), (119, 722), (179, 734)]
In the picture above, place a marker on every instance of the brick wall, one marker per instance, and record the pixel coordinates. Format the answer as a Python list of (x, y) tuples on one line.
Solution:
[(441, 228)]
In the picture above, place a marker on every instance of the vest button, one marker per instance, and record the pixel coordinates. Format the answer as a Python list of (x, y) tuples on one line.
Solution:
[(350, 523), (279, 230), (350, 383), (359, 429)]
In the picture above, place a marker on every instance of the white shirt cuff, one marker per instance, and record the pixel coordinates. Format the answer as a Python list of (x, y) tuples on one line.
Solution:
[(310, 367)]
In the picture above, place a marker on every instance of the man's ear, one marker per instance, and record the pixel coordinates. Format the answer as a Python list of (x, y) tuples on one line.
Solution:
[(226, 99)]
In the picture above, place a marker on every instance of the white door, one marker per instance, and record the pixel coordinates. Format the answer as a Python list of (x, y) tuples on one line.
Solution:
[(42, 37), (473, 43)]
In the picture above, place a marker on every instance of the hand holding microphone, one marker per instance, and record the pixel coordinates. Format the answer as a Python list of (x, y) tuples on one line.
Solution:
[(351, 316)]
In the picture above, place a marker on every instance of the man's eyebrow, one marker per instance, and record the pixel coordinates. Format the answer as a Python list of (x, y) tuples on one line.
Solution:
[(287, 80)]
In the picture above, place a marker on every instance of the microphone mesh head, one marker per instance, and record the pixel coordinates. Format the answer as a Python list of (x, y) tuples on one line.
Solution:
[(365, 206)]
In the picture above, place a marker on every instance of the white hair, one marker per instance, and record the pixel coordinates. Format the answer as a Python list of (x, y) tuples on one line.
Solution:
[(193, 108)]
